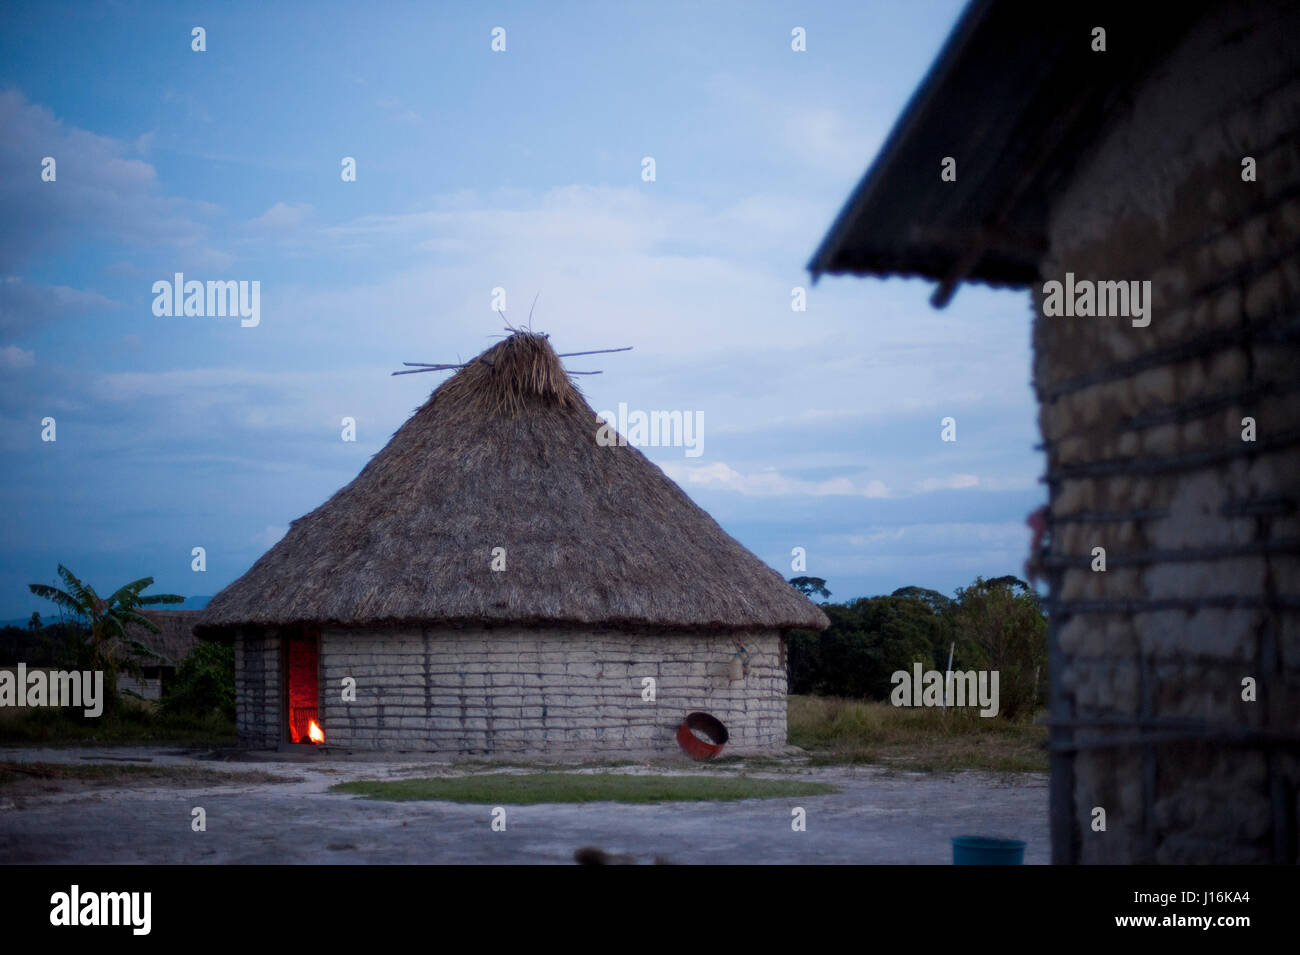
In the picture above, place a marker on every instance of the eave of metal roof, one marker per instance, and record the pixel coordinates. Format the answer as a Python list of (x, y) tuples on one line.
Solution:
[(1015, 95)]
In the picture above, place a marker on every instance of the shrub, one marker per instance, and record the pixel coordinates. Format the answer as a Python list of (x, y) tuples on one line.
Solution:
[(995, 625), (868, 640), (204, 682), (1004, 629)]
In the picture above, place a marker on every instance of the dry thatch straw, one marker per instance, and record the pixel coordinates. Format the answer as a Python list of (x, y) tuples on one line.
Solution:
[(512, 377), (504, 454), (175, 638)]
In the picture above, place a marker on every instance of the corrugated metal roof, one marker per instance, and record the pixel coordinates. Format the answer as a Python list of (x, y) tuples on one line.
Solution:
[(1015, 95)]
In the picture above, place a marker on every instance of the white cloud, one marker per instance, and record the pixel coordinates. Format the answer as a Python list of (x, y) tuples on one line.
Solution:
[(249, 412), (12, 357), (210, 258), (194, 109), (24, 306), (396, 112), (827, 140), (929, 537), (769, 483), (283, 216), (951, 483), (877, 537), (99, 191)]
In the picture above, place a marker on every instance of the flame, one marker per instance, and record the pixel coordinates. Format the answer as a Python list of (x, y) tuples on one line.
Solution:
[(315, 733)]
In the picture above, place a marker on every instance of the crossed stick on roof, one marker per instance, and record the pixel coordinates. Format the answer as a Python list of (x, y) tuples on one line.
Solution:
[(416, 367)]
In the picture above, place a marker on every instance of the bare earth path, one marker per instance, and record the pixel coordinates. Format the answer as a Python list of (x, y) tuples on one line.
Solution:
[(880, 816)]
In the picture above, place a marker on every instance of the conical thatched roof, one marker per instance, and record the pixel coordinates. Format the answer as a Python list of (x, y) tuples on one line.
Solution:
[(504, 454)]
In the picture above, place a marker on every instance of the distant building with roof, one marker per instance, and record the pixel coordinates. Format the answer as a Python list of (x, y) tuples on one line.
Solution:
[(498, 580)]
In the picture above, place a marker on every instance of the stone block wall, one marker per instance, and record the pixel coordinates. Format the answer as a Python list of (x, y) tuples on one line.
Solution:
[(258, 691), (1143, 431), (545, 691)]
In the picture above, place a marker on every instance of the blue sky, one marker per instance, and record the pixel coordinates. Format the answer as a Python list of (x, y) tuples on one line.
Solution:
[(477, 170)]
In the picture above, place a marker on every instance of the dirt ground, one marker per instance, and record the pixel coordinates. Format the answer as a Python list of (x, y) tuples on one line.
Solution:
[(879, 816)]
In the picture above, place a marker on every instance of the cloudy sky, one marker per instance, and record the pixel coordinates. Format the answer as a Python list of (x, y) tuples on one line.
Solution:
[(477, 170)]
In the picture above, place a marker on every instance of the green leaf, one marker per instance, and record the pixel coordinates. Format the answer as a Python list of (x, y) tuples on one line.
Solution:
[(84, 594), (56, 595), (139, 619), (113, 624), (139, 649)]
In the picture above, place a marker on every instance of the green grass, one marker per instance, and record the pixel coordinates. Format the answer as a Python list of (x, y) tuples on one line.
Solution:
[(838, 731), (48, 726), (525, 789), (541, 766)]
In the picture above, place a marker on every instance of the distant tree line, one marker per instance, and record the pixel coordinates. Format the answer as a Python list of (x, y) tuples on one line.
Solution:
[(995, 624), (63, 645)]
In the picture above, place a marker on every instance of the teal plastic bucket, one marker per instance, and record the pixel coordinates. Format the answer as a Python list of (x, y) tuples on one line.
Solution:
[(981, 850)]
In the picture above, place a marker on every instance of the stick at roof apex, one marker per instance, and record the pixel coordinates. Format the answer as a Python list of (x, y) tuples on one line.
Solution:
[(416, 367)]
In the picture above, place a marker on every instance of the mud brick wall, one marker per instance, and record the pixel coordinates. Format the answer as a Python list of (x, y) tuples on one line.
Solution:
[(534, 691), (258, 698), (1143, 431)]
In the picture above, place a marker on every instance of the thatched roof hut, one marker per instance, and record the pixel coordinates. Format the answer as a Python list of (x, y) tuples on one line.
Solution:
[(175, 639), (505, 455)]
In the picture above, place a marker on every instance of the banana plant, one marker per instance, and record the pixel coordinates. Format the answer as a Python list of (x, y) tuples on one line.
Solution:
[(107, 618)]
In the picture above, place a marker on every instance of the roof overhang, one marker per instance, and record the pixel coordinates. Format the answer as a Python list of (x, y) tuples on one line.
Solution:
[(1015, 96)]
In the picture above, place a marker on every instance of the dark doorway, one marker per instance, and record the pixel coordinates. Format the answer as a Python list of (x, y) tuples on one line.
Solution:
[(302, 687)]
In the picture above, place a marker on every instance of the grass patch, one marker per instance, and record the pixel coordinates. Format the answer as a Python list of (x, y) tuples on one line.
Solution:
[(51, 726), (837, 731), (541, 766), (525, 789), (11, 772)]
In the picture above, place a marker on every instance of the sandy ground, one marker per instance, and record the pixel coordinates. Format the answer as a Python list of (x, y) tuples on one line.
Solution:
[(880, 816)]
